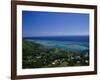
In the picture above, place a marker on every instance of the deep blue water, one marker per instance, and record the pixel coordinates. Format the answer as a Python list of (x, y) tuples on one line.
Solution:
[(65, 42), (62, 38)]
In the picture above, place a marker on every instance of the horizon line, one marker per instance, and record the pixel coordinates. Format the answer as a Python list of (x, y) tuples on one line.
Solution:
[(55, 35)]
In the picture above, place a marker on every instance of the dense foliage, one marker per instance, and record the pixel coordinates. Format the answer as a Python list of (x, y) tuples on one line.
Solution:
[(38, 56)]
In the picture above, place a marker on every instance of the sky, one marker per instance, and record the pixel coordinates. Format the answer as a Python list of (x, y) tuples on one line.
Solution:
[(54, 24)]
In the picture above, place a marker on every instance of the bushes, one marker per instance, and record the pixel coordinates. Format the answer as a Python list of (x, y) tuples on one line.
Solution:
[(39, 56)]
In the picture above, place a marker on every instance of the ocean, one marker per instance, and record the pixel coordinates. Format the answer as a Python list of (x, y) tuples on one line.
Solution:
[(79, 43)]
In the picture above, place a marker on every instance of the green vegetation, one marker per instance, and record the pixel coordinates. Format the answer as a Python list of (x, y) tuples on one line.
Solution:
[(38, 56)]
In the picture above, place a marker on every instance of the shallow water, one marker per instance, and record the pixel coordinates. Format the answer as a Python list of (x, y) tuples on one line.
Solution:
[(70, 45)]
